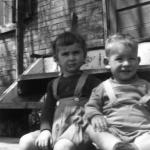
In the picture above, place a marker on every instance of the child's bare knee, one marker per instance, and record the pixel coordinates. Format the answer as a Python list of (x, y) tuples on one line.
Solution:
[(64, 144), (26, 142)]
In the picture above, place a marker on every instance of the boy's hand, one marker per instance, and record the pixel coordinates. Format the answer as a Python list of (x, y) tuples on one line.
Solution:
[(99, 123), (44, 140), (145, 100)]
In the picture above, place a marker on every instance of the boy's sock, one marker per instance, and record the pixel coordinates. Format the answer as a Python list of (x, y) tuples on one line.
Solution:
[(124, 146)]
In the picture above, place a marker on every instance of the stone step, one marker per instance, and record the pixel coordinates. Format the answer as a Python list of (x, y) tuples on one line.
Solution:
[(7, 143)]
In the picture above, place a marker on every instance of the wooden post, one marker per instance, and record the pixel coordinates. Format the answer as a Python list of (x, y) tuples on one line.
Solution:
[(19, 35)]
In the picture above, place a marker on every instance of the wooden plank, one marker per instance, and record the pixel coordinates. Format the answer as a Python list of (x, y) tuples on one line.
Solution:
[(36, 67), (112, 19), (134, 17), (135, 21), (105, 14), (120, 4), (11, 92), (38, 76), (21, 105)]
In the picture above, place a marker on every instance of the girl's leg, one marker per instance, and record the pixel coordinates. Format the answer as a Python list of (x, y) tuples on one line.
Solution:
[(103, 140), (27, 141), (64, 144), (143, 142)]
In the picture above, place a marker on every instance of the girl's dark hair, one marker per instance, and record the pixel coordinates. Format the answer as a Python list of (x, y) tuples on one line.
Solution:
[(68, 38)]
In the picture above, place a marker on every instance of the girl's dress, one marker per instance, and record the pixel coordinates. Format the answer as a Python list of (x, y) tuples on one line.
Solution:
[(69, 111), (63, 108)]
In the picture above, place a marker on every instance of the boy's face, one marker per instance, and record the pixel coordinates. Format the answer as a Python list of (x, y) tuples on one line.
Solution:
[(70, 58), (123, 62)]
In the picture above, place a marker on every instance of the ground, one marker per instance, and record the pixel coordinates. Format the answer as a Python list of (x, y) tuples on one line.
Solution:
[(9, 143)]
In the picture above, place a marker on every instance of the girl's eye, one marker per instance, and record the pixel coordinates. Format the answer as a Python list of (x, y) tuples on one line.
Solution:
[(119, 59), (65, 54)]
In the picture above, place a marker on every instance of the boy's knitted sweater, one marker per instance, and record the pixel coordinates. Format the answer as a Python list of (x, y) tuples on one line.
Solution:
[(128, 114)]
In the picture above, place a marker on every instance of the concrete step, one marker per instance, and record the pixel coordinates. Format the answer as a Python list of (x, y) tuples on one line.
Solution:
[(7, 143)]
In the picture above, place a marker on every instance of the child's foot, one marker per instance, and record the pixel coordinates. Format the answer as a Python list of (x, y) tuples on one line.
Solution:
[(124, 146)]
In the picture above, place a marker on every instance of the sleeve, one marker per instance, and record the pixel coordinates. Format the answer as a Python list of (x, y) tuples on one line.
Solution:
[(48, 109), (148, 88), (146, 98), (91, 82), (94, 105)]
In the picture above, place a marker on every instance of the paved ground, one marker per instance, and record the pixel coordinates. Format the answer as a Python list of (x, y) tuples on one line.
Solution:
[(9, 143)]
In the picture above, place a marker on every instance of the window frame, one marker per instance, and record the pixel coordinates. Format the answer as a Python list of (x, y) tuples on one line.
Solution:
[(111, 17), (8, 16)]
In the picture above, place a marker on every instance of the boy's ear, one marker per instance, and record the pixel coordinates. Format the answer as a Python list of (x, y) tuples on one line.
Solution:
[(106, 61)]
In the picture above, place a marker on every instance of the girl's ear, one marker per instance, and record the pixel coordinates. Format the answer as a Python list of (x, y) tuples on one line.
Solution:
[(139, 60), (55, 58)]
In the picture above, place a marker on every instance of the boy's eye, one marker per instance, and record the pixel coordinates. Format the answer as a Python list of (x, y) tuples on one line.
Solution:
[(132, 58), (76, 52)]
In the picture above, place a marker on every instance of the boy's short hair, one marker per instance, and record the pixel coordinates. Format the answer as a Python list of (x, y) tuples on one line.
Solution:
[(125, 39), (68, 38)]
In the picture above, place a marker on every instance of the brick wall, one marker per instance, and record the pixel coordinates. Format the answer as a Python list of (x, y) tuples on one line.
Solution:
[(49, 18), (54, 16), (7, 60)]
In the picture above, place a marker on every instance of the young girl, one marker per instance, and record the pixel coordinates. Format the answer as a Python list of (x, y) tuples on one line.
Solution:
[(62, 123), (118, 109)]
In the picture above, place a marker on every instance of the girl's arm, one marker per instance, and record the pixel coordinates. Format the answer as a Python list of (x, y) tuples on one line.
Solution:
[(48, 109)]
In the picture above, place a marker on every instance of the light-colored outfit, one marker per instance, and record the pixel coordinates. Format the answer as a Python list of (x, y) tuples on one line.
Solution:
[(125, 107), (69, 114)]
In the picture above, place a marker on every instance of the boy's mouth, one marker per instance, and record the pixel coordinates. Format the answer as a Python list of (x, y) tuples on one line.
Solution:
[(126, 70), (71, 64)]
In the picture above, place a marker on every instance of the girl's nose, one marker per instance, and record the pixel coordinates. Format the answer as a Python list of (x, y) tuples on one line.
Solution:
[(71, 57)]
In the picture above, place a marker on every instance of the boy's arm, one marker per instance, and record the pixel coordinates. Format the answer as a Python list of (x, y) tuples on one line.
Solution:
[(94, 105), (146, 98), (48, 110)]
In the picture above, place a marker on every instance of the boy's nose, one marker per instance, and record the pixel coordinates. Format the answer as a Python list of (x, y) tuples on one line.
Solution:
[(126, 63)]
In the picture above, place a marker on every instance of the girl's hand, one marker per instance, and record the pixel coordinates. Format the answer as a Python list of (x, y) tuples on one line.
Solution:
[(44, 140), (99, 123)]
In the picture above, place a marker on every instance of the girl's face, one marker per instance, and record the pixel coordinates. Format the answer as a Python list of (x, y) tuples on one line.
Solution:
[(70, 58), (123, 62)]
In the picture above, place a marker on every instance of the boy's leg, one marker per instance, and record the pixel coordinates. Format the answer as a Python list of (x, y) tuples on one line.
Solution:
[(143, 142), (27, 141), (103, 140)]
